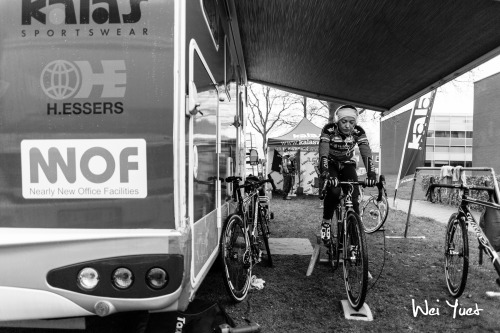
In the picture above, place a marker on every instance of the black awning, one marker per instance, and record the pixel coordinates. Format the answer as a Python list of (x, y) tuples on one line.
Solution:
[(377, 54)]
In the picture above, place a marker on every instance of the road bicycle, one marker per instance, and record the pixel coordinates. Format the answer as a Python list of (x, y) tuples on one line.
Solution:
[(457, 241), (374, 208), (243, 235), (348, 244)]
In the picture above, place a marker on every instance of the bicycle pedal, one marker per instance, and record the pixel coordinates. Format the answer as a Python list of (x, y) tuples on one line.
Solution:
[(271, 216)]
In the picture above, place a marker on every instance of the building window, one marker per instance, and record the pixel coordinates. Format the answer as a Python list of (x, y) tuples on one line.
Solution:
[(442, 134), (457, 134), (457, 163)]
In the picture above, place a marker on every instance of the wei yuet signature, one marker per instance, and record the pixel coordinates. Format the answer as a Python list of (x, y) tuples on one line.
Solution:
[(426, 310)]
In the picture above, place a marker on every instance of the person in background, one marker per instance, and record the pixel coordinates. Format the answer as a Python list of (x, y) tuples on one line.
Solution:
[(336, 150), (288, 169)]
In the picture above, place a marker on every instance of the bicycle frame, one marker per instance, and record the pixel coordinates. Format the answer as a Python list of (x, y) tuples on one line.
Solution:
[(345, 204), (250, 202), (353, 245), (247, 205), (463, 211), (345, 199)]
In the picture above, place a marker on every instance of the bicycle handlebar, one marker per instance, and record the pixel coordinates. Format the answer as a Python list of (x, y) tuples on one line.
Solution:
[(361, 183), (380, 185), (462, 186), (252, 328), (254, 185)]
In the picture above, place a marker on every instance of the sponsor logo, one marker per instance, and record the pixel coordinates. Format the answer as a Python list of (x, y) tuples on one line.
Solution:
[(89, 11), (77, 169), (419, 124), (73, 18), (181, 321), (479, 233), (62, 79), (305, 136)]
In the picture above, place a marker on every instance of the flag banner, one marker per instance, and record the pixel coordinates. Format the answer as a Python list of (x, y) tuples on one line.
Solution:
[(309, 160), (276, 164), (414, 148)]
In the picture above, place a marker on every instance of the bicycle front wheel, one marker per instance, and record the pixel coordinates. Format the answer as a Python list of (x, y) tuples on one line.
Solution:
[(264, 230), (355, 263), (374, 213), (456, 255), (235, 253)]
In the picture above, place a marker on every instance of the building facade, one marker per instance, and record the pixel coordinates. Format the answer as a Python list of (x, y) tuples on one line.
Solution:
[(487, 122), (449, 140)]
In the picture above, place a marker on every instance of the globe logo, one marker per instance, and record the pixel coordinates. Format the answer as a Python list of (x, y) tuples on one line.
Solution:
[(60, 79)]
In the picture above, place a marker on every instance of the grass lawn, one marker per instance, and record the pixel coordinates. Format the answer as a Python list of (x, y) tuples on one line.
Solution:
[(407, 273)]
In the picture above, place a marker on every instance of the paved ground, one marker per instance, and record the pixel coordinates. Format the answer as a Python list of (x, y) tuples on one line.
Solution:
[(438, 212), (421, 208)]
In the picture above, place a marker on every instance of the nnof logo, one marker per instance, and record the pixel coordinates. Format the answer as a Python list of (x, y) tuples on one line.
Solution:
[(104, 168)]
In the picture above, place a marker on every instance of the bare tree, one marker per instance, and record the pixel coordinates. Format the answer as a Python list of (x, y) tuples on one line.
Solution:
[(323, 110), (271, 108), (268, 108)]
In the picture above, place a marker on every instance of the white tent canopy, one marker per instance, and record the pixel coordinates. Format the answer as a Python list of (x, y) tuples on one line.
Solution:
[(303, 141)]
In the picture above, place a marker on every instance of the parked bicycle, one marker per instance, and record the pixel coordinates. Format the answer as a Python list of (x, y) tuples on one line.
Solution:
[(457, 241), (243, 235), (374, 208), (348, 244)]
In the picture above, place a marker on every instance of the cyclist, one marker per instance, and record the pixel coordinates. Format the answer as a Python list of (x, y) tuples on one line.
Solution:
[(288, 168), (336, 150)]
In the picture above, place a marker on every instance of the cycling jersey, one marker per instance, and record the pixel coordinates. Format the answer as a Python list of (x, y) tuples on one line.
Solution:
[(339, 147)]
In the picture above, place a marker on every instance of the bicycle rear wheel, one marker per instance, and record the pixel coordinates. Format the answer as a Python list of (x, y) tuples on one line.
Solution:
[(237, 271), (355, 263), (374, 213), (264, 231), (456, 255)]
